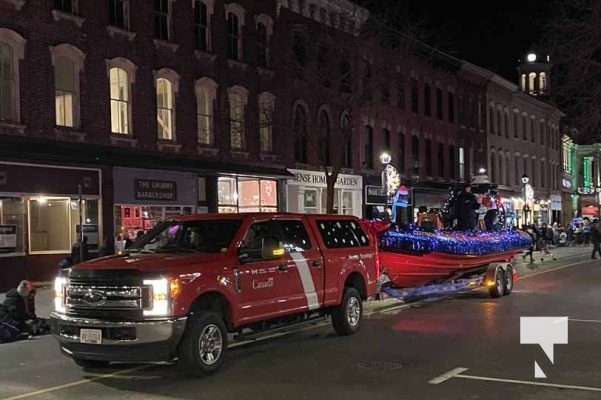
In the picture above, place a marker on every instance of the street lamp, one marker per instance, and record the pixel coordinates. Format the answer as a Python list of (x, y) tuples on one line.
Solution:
[(525, 180), (385, 160)]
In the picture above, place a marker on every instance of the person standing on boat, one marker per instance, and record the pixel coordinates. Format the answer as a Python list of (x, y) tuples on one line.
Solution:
[(466, 205)]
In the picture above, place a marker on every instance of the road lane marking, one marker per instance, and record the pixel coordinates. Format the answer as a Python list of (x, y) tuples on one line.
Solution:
[(551, 270), (76, 383), (456, 373), (447, 375)]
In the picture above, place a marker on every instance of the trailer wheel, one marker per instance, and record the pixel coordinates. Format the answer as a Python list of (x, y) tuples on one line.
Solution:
[(497, 287), (346, 317), (508, 280), (203, 346)]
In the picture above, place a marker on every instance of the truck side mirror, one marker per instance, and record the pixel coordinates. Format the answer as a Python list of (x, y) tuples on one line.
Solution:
[(271, 250)]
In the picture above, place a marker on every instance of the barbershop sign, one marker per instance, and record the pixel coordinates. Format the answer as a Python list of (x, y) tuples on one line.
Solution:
[(318, 178), (147, 189)]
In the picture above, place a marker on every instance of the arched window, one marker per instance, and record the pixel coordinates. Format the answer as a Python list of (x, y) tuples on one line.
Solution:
[(491, 120), (346, 129), (401, 153), (440, 159), (11, 51), (415, 154), (324, 138), (300, 132), (500, 126), (206, 93), (203, 10), (368, 147), (266, 107), (68, 62), (264, 32), (523, 82), (385, 140), (122, 74), (427, 100), (542, 83), (493, 168), (516, 169), (507, 125), (501, 170), (428, 157), (531, 79), (165, 109), (235, 14), (237, 99)]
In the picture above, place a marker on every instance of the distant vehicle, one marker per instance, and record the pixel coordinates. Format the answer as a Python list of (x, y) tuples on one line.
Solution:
[(182, 289)]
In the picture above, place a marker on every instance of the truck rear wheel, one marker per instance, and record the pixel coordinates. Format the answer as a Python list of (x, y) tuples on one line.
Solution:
[(346, 317), (203, 346)]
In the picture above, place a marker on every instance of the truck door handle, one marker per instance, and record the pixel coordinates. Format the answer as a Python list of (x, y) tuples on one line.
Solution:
[(283, 267), (316, 263)]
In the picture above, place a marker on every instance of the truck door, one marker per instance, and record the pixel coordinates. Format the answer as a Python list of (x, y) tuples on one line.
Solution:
[(306, 275), (265, 285)]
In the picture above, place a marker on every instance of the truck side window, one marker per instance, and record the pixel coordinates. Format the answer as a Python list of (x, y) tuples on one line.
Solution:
[(253, 239), (294, 236), (342, 233)]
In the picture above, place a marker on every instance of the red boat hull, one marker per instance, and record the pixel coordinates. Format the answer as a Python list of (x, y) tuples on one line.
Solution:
[(408, 270)]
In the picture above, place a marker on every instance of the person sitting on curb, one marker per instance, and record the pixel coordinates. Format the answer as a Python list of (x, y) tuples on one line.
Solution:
[(18, 310)]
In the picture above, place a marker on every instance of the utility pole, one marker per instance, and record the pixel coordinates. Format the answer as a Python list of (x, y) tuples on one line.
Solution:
[(80, 200)]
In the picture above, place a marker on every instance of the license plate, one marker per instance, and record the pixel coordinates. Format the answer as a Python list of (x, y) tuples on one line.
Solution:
[(91, 336)]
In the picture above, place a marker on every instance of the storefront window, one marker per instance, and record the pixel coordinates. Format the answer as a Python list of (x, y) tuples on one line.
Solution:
[(311, 202), (247, 195), (12, 225), (54, 224), (48, 219), (133, 220), (347, 203)]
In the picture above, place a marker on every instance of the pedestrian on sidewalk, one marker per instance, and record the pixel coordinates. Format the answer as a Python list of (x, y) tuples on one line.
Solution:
[(595, 238), (530, 231)]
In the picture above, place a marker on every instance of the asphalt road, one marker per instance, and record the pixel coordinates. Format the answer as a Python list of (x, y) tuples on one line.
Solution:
[(396, 355)]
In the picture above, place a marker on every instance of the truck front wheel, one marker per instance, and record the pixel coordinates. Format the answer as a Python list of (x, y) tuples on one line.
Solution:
[(346, 317), (203, 346)]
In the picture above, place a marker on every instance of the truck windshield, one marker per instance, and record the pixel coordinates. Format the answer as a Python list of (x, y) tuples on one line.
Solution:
[(208, 236)]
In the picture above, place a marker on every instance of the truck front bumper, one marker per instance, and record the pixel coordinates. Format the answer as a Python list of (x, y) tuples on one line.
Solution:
[(124, 341)]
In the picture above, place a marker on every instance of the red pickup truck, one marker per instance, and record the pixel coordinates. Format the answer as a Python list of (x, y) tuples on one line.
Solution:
[(181, 289)]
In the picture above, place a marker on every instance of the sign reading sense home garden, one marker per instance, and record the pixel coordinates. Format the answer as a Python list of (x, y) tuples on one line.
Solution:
[(147, 189)]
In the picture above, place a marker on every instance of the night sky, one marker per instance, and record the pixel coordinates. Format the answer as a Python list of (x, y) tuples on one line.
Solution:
[(490, 34)]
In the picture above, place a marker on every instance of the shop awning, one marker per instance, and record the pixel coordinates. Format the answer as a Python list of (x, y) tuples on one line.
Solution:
[(19, 148)]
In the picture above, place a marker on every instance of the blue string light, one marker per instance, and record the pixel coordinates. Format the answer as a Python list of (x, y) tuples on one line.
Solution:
[(415, 241)]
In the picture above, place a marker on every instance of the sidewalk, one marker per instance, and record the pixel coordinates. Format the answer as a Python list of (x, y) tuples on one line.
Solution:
[(564, 255)]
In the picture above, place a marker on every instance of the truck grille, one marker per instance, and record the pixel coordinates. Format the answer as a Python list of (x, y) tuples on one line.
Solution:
[(106, 300)]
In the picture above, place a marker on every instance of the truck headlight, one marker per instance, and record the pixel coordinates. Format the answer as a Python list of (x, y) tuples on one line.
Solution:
[(163, 290), (60, 284)]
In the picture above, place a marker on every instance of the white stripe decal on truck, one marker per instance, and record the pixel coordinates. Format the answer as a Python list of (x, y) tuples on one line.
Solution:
[(306, 279)]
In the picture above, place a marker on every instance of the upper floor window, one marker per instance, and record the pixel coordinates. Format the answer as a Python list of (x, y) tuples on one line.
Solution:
[(68, 6), (451, 106), (324, 138), (237, 98), (120, 100), (235, 21), (400, 93), (68, 62), (162, 15), (531, 79), (165, 109), (300, 133), (323, 65), (121, 75), (299, 48), (385, 140), (11, 51), (119, 13), (439, 110), (345, 75), (452, 165), (414, 96), (415, 154), (167, 83), (264, 32), (201, 26), (428, 157), (206, 91), (427, 105), (266, 107), (368, 147), (347, 134)]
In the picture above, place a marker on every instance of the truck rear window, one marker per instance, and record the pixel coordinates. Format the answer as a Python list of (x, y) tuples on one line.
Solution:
[(340, 233)]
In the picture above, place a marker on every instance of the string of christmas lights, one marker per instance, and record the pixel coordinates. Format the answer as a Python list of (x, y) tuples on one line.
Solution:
[(415, 241)]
